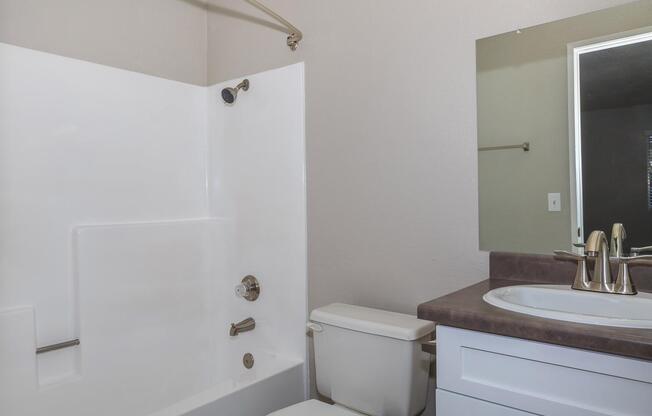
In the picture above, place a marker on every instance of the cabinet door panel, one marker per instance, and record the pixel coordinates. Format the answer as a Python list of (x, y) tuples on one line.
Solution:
[(451, 404), (541, 378)]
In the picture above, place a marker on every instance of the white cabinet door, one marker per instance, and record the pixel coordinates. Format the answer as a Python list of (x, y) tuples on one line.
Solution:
[(541, 378), (451, 404)]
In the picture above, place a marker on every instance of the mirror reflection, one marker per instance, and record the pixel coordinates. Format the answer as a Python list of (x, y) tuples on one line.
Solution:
[(565, 132)]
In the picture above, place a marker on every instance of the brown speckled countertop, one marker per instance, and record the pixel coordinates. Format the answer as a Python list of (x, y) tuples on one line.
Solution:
[(466, 309)]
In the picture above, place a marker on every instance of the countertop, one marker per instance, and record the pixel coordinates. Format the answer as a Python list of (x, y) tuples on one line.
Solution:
[(467, 310)]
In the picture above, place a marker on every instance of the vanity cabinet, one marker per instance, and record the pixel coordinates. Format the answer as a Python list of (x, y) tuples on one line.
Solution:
[(486, 374), (455, 404)]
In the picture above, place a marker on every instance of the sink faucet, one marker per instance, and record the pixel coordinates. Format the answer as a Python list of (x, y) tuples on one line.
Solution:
[(618, 235), (598, 248)]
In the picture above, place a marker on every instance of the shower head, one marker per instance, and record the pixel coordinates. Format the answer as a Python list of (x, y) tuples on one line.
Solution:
[(230, 94)]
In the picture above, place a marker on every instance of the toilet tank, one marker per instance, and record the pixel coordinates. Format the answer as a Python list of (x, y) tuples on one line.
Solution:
[(370, 360)]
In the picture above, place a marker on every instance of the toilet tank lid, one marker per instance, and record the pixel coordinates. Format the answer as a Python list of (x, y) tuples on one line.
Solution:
[(373, 321)]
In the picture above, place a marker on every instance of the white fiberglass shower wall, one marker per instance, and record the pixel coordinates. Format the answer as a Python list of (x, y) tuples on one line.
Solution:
[(130, 207)]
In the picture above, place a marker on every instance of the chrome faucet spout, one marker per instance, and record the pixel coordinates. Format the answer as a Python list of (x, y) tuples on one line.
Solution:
[(618, 235), (242, 326), (598, 248)]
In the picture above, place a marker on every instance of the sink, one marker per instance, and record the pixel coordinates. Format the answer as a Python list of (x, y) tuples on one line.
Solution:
[(565, 304)]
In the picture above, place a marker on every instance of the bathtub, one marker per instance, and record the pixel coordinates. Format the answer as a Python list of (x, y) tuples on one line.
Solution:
[(274, 383), (156, 302)]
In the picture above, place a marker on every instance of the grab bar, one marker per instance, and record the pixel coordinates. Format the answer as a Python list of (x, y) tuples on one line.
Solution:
[(59, 346), (523, 146)]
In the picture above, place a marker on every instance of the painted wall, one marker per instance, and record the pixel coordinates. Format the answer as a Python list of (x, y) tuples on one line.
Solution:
[(523, 96), (390, 120), (166, 38), (391, 133)]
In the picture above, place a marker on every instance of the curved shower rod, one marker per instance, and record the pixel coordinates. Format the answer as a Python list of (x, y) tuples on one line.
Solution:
[(295, 34)]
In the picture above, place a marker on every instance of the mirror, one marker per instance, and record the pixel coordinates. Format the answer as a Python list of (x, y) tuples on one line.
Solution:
[(565, 131)]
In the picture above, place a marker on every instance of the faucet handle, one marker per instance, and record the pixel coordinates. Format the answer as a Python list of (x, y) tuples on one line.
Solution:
[(618, 235), (570, 255), (636, 251), (645, 260), (248, 289), (624, 284), (582, 280)]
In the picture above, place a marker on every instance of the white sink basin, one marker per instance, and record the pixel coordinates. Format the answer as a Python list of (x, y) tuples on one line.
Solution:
[(563, 303)]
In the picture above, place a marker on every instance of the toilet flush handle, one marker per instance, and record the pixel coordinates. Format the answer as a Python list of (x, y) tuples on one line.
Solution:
[(429, 346), (314, 327)]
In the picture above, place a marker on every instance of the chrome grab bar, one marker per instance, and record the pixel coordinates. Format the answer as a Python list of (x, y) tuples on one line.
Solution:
[(59, 346), (523, 146)]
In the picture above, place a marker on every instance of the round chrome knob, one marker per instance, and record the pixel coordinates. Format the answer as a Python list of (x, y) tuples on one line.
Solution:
[(248, 289)]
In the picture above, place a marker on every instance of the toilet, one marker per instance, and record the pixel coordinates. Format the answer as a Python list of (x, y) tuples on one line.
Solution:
[(368, 362)]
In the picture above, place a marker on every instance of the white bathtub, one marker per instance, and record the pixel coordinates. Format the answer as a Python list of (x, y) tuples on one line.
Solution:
[(155, 334), (272, 384)]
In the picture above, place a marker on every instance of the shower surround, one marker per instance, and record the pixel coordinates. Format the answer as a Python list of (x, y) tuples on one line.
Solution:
[(130, 208)]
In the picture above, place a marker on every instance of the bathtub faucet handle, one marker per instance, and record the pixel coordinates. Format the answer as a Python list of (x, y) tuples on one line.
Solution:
[(249, 288)]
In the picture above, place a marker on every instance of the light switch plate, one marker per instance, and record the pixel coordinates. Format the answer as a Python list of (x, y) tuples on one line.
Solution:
[(554, 202)]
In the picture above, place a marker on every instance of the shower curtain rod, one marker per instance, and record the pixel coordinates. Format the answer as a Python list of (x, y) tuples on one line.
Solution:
[(295, 34)]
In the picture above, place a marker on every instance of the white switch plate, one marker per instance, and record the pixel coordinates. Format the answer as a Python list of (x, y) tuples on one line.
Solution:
[(554, 202)]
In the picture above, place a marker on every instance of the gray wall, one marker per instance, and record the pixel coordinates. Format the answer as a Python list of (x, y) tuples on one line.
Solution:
[(166, 38), (391, 134), (523, 96), (391, 131)]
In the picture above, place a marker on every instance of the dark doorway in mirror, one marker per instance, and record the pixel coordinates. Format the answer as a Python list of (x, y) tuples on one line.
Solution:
[(616, 123)]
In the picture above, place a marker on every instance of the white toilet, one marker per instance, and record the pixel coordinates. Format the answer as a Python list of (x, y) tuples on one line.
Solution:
[(368, 361)]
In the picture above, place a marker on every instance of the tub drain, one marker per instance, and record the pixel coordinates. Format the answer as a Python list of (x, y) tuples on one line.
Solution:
[(248, 360)]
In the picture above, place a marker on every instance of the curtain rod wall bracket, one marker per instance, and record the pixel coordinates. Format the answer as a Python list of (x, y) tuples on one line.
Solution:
[(295, 35), (293, 40)]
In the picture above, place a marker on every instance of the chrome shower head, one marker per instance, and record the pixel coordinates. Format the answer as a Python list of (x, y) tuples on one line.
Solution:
[(230, 94)]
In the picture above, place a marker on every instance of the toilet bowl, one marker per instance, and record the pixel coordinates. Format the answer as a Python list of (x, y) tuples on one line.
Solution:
[(368, 362)]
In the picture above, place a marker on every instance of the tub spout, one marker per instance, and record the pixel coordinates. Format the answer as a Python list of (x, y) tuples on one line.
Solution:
[(242, 326)]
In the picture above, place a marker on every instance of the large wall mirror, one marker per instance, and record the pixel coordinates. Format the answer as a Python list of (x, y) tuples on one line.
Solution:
[(565, 131)]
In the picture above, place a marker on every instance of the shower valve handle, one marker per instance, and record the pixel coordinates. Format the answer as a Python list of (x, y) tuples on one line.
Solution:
[(249, 288)]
